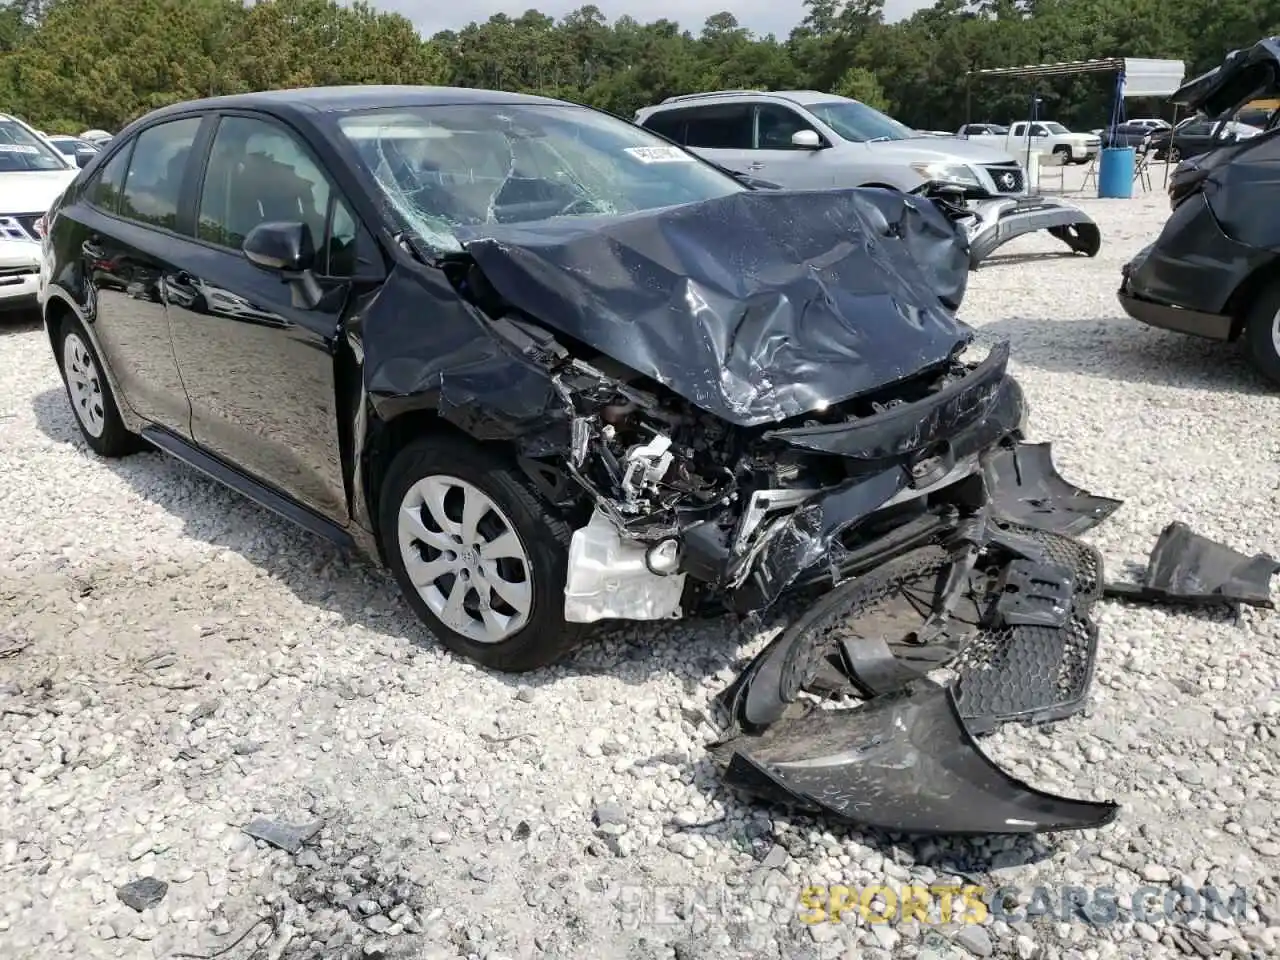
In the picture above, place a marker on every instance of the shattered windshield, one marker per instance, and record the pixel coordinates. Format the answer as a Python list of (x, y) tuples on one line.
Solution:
[(21, 150), (859, 123), (444, 167)]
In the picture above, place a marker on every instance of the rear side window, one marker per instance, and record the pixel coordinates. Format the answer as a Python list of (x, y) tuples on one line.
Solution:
[(725, 127), (104, 190), (670, 124), (154, 183)]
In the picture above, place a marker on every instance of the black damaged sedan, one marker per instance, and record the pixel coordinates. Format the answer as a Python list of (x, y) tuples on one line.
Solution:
[(548, 367), (552, 369)]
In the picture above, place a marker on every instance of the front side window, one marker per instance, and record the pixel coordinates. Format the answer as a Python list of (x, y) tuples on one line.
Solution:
[(1056, 128), (859, 123), (259, 172), (1039, 131), (154, 184), (777, 125), (21, 150), (460, 165)]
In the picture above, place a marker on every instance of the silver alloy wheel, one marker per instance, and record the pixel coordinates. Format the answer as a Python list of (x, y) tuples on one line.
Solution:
[(465, 559), (83, 385)]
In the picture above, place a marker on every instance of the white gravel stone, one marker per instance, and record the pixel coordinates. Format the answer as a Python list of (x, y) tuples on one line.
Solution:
[(149, 593)]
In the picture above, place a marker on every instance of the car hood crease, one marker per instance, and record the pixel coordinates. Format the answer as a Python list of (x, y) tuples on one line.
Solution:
[(757, 306)]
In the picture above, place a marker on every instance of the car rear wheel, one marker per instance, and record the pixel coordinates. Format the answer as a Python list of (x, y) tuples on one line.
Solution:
[(1063, 155), (478, 555), (1262, 333), (92, 402)]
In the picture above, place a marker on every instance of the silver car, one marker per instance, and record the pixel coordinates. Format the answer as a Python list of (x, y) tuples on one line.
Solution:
[(807, 140)]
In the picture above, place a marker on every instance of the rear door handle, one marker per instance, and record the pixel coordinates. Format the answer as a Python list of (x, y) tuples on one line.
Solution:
[(91, 249)]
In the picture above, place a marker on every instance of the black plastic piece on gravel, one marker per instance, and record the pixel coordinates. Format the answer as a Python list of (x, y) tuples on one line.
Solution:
[(853, 764), (143, 893), (1185, 567), (1030, 674), (1027, 489), (288, 837)]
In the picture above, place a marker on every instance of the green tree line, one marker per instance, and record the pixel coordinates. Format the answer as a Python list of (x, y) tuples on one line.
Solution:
[(70, 64)]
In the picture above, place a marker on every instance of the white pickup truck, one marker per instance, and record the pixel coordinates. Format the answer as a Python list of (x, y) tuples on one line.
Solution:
[(1044, 137)]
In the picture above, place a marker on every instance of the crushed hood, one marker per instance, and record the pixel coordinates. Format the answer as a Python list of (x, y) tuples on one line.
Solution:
[(758, 306), (1243, 75)]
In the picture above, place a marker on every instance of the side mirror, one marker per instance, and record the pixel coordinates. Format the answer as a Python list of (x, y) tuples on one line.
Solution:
[(806, 139), (287, 247), (83, 159)]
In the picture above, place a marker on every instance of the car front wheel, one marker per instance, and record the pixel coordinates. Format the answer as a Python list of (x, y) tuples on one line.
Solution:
[(478, 555), (92, 402), (1262, 333)]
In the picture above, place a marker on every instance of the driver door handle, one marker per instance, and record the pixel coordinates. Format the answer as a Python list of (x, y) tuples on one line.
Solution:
[(91, 249)]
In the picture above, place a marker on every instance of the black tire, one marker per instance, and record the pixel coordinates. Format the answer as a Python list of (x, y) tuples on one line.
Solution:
[(114, 439), (1261, 329), (1064, 153), (544, 536), (1174, 155)]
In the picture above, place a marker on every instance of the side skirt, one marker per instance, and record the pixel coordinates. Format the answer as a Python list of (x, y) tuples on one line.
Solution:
[(246, 486)]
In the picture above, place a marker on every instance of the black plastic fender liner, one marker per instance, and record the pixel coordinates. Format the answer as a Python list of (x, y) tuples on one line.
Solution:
[(1185, 567), (996, 222), (1026, 488), (902, 762)]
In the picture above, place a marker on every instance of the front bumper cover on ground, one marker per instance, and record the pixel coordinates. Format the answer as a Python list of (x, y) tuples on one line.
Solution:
[(985, 625), (993, 223)]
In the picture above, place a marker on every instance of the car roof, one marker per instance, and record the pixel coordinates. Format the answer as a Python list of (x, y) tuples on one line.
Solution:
[(798, 97), (355, 97)]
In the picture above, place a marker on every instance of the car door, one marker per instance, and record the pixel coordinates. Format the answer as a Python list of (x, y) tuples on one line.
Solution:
[(777, 159), (722, 133), (125, 222), (258, 365)]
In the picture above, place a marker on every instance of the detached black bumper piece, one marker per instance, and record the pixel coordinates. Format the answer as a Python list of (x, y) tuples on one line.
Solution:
[(1027, 489), (902, 762), (1185, 567), (1005, 609)]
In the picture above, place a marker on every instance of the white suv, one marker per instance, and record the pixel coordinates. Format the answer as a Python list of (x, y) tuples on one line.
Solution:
[(807, 140), (33, 173)]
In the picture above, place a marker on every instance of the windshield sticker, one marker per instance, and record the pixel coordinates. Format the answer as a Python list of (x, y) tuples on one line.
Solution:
[(659, 154), (17, 148)]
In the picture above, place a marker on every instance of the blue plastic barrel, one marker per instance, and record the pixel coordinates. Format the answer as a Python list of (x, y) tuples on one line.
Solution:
[(1115, 173)]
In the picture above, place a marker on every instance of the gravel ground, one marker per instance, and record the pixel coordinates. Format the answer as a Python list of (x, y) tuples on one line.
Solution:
[(192, 663)]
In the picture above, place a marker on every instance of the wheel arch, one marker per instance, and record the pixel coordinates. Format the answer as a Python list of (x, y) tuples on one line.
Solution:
[(57, 309), (384, 438), (1248, 290)]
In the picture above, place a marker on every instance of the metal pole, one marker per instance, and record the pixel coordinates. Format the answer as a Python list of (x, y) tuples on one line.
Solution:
[(1170, 150)]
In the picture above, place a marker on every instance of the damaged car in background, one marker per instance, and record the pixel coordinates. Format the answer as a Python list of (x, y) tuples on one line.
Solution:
[(1212, 271), (810, 140), (553, 370)]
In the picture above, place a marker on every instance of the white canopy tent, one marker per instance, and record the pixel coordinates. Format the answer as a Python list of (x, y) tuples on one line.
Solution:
[(1143, 77)]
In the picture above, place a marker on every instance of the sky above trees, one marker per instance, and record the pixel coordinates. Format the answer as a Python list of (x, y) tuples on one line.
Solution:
[(760, 16)]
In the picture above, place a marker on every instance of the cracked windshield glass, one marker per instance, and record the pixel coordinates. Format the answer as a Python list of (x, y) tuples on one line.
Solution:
[(456, 166)]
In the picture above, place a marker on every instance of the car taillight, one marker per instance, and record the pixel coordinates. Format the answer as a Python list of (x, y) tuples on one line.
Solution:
[(42, 226)]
